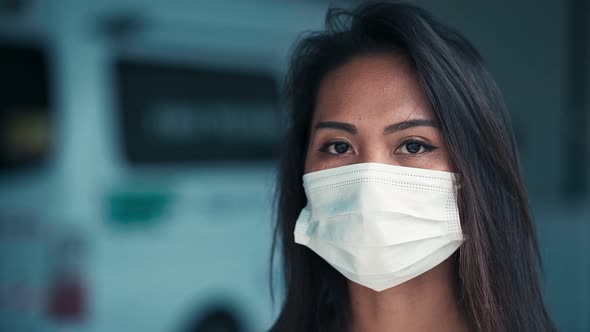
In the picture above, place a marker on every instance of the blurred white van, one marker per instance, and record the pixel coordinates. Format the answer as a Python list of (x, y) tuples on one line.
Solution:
[(137, 162), (168, 224)]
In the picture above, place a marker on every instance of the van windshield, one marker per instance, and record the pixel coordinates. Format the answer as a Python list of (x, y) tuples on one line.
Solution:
[(24, 108), (175, 114)]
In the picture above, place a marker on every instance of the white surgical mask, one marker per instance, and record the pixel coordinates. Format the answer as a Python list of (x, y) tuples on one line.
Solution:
[(380, 225)]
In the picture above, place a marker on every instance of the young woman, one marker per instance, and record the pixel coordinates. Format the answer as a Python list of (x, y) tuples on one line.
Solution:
[(400, 200)]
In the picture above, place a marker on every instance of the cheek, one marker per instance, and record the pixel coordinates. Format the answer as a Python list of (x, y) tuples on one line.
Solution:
[(436, 160), (316, 161), (443, 162), (313, 164)]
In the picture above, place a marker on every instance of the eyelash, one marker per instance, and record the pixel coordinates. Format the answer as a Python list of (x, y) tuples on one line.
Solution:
[(427, 147), (327, 145)]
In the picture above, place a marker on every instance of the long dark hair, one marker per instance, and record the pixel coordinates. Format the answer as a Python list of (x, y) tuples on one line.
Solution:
[(497, 267)]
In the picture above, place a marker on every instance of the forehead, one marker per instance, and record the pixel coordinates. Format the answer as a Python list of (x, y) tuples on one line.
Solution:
[(372, 88)]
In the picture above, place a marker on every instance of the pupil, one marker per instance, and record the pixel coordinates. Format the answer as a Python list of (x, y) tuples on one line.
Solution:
[(413, 147), (341, 147)]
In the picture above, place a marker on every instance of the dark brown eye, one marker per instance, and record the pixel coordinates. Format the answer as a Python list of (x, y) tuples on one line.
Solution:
[(341, 147), (336, 148), (413, 147)]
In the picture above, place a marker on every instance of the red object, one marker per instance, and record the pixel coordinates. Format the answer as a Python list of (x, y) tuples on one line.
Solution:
[(67, 299)]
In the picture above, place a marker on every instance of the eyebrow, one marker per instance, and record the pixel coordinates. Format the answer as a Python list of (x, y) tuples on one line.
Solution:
[(409, 124), (350, 128)]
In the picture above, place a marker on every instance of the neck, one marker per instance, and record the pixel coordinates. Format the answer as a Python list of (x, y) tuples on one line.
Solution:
[(425, 303)]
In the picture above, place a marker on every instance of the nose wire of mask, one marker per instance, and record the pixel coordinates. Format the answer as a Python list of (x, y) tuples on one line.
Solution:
[(380, 225)]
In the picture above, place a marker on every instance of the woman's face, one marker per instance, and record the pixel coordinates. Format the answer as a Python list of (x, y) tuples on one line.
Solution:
[(372, 109)]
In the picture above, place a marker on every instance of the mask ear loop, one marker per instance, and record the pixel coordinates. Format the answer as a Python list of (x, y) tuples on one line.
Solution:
[(457, 181), (460, 291), (458, 184)]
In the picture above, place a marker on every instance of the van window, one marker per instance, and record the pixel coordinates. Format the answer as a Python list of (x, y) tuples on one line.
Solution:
[(24, 107), (175, 114)]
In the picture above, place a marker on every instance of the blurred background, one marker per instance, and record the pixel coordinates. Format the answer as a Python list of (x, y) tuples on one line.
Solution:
[(138, 142)]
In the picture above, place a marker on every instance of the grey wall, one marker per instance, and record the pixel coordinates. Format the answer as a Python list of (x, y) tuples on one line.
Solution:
[(527, 47)]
